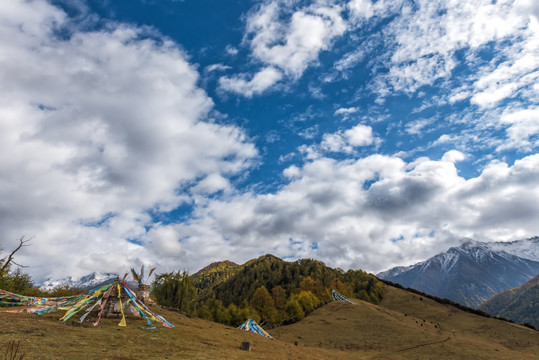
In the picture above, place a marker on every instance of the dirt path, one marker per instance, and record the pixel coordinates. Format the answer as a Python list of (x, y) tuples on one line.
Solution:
[(426, 344)]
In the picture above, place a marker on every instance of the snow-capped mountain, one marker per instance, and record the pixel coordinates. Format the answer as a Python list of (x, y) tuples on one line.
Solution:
[(471, 273), (86, 282), (526, 248)]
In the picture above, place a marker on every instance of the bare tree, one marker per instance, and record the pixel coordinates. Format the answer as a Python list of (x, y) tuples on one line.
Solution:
[(10, 259)]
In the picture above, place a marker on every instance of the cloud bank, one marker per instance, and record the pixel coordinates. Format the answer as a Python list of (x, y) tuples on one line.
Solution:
[(97, 129), (363, 213)]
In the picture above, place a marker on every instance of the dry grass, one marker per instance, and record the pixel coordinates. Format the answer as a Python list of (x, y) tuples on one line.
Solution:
[(406, 326), (401, 327), (44, 337)]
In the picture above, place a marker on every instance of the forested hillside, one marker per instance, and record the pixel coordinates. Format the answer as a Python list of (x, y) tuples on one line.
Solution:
[(520, 304), (215, 273), (268, 289)]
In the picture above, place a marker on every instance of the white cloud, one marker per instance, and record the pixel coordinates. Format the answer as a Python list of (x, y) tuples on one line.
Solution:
[(349, 60), (428, 35), (217, 67), (444, 139), (294, 44), (346, 111), (310, 132), (354, 208), (96, 129), (292, 171), (523, 129), (417, 127), (286, 40), (231, 50), (359, 135), (459, 95), (164, 241), (260, 82), (518, 73), (345, 141), (212, 184), (335, 142), (453, 156), (361, 8), (528, 8)]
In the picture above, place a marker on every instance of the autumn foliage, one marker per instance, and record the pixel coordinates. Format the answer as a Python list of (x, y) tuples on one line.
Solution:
[(270, 290)]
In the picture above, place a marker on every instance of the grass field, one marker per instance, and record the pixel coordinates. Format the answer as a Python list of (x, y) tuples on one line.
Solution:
[(407, 326), (403, 326), (44, 337)]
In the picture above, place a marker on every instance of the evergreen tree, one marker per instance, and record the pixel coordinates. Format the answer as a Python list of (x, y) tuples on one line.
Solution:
[(175, 290)]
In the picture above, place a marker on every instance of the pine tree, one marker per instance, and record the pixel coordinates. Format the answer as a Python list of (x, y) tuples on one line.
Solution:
[(175, 290)]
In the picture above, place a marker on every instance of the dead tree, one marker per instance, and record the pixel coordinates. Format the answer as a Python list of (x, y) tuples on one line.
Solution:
[(10, 259)]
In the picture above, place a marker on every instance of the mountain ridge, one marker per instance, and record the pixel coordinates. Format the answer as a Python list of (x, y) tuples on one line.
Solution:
[(520, 304), (86, 282), (470, 273)]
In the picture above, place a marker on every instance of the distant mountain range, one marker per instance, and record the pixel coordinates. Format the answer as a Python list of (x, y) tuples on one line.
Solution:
[(520, 304), (473, 272), (86, 282)]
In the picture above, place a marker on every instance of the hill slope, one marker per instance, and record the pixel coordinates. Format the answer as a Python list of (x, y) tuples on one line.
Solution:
[(468, 274), (405, 325), (213, 274), (520, 304), (270, 271), (43, 337)]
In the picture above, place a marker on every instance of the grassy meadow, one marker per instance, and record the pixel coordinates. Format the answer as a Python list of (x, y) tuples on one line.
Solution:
[(403, 326)]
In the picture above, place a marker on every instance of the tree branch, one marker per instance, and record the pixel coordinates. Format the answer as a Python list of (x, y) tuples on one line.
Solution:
[(10, 259)]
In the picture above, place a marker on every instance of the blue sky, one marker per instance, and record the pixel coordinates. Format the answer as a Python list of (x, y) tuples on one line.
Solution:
[(177, 133)]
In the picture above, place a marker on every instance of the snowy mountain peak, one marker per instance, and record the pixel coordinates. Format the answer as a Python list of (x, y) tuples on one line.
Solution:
[(85, 282), (525, 248), (472, 272)]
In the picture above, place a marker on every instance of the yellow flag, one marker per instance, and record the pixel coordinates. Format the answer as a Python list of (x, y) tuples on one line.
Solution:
[(122, 322)]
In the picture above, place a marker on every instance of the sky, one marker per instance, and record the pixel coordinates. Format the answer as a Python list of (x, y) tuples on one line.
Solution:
[(174, 133)]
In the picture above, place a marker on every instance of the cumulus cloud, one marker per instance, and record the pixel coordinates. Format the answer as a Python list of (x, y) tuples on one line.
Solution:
[(359, 135), (286, 39), (294, 44), (260, 82), (355, 209), (98, 128), (443, 139), (212, 184), (453, 156), (345, 141)]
